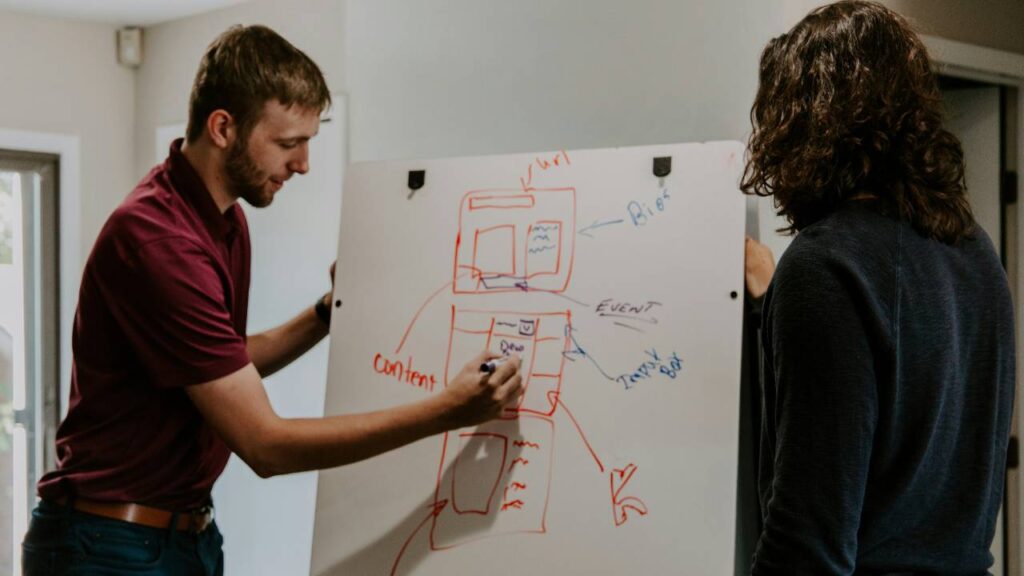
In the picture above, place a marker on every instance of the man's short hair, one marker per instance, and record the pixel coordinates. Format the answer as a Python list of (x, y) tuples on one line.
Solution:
[(246, 67)]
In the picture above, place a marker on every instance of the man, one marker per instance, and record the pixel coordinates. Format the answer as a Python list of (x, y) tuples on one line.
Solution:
[(165, 382), (888, 325)]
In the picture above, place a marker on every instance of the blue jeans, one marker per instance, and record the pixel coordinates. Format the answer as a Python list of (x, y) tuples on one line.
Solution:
[(63, 541)]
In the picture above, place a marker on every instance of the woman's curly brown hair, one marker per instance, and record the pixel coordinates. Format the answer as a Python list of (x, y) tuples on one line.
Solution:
[(848, 106)]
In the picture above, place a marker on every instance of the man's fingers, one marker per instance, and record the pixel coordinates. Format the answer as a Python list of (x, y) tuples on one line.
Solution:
[(506, 370), (511, 389), (478, 360)]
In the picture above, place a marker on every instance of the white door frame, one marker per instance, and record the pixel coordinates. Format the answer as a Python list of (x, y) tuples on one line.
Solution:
[(66, 147)]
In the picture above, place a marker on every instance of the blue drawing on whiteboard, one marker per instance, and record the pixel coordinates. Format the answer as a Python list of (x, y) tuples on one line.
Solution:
[(653, 366), (577, 351), (596, 224), (640, 213), (540, 240)]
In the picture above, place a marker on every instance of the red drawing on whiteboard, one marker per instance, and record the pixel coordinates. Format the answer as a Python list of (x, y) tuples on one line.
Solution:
[(473, 465), (543, 164), (496, 479), (435, 509), (539, 338), (515, 241), (619, 478)]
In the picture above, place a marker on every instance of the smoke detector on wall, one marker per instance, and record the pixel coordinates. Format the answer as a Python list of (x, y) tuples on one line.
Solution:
[(129, 47)]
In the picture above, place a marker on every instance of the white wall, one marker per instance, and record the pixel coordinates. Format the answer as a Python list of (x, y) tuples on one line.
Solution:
[(451, 77), (462, 77), (62, 77), (173, 50)]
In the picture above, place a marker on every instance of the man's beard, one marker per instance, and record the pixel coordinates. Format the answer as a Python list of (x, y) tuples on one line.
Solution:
[(244, 179)]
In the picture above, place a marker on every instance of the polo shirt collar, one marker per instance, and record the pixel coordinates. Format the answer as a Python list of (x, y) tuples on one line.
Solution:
[(191, 187)]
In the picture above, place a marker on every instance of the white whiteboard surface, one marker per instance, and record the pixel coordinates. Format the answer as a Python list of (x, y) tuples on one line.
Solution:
[(623, 294)]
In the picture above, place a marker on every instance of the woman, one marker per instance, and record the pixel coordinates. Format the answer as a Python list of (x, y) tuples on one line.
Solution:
[(888, 325)]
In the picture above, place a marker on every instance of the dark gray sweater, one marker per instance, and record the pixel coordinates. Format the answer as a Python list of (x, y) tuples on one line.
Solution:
[(886, 401)]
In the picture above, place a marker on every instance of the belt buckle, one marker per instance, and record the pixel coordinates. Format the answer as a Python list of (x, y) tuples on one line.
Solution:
[(200, 519)]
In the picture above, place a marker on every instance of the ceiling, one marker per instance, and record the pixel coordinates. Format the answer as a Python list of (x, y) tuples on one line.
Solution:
[(118, 12)]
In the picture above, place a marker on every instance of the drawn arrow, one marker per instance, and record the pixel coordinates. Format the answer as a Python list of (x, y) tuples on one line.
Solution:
[(598, 224), (555, 399), (577, 351), (629, 503), (435, 511), (620, 505)]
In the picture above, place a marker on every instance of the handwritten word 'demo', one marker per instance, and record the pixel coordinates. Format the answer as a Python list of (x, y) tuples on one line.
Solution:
[(508, 348)]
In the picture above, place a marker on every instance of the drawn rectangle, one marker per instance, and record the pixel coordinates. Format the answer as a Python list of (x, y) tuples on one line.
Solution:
[(510, 201), (543, 248), (477, 470), (494, 251), (519, 502), (541, 244)]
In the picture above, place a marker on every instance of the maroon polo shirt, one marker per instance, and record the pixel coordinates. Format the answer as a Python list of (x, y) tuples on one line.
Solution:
[(162, 306)]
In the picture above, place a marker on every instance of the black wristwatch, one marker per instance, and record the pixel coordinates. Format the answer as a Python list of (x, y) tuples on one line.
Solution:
[(323, 311)]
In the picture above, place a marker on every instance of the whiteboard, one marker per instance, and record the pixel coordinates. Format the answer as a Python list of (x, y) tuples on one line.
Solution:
[(621, 291)]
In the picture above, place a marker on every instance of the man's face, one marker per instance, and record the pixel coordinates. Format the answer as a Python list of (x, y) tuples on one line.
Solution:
[(277, 147)]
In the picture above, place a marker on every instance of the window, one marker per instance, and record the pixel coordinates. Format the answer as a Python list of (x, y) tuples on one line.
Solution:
[(29, 342)]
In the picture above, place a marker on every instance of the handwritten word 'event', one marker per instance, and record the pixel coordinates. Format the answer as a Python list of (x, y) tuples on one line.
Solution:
[(668, 367), (403, 372), (610, 307), (640, 213)]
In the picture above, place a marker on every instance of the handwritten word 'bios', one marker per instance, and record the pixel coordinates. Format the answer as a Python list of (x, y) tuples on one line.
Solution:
[(641, 212), (403, 372), (655, 365)]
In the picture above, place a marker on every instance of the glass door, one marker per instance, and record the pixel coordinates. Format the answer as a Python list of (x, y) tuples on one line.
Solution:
[(29, 342)]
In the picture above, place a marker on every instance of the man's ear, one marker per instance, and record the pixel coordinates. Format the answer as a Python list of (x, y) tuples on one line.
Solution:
[(221, 128)]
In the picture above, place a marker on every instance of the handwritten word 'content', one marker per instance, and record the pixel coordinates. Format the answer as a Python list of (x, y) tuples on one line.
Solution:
[(404, 372)]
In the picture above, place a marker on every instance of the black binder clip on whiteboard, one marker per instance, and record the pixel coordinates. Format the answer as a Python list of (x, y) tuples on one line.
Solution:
[(416, 180), (662, 168)]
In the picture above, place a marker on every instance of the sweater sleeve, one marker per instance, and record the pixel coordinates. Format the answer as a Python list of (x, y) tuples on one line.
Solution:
[(821, 403)]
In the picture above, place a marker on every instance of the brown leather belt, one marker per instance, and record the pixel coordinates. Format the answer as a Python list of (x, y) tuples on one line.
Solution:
[(194, 521)]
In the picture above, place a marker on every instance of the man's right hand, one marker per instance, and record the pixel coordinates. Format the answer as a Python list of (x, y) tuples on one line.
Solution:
[(474, 396), (238, 409)]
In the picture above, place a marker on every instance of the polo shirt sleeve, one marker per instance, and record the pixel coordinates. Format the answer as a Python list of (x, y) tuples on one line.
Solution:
[(825, 410), (172, 304)]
